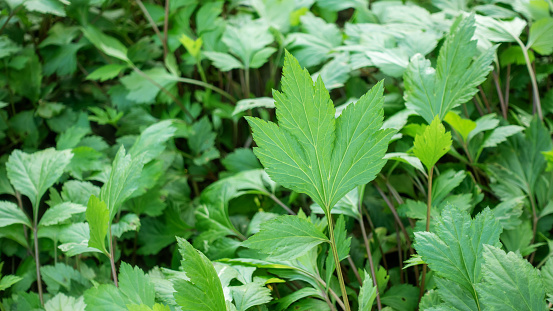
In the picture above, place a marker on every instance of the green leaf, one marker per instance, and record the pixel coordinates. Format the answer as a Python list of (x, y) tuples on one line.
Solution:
[(11, 214), (123, 181), (129, 222), (510, 282), (284, 302), (433, 144), (460, 125), (151, 142), (540, 38), (106, 72), (241, 159), (286, 237), (202, 290), (501, 134), (192, 46), (136, 286), (455, 250), (105, 297), (311, 152), (8, 280), (142, 90), (367, 293), (61, 302), (401, 297), (33, 174), (250, 103), (54, 7), (97, 215), (62, 277), (249, 295), (247, 40), (223, 61), (432, 92), (105, 43), (498, 30), (60, 212)]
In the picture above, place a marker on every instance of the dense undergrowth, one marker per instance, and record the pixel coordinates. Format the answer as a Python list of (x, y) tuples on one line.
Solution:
[(403, 161)]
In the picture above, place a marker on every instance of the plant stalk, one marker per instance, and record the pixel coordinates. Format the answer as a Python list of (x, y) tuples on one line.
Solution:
[(112, 259), (37, 264), (369, 254), (428, 206), (337, 261), (533, 80)]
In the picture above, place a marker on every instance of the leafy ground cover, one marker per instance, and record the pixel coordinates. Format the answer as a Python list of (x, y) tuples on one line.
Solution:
[(276, 155)]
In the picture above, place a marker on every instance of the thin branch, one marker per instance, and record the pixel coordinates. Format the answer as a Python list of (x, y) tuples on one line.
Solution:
[(164, 90), (279, 202), (165, 29), (207, 86), (500, 94), (153, 24)]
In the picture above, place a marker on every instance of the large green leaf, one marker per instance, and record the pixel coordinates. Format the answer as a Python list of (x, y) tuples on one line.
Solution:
[(105, 297), (455, 251), (510, 282), (123, 181), (432, 144), (202, 290), (434, 92), (61, 302), (286, 237), (10, 214), (249, 295), (541, 39), (134, 284), (151, 141), (367, 293), (33, 174), (311, 152)]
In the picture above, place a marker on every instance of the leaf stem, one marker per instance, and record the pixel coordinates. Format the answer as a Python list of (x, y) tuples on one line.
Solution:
[(112, 259), (37, 264), (279, 202), (369, 254), (165, 29), (337, 261), (428, 206), (535, 91), (207, 86), (154, 26)]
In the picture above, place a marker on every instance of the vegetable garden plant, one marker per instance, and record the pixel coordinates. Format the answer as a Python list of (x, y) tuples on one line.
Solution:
[(276, 155)]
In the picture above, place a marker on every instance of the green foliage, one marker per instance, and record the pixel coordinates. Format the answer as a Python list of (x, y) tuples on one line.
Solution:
[(144, 102), (432, 144), (309, 151), (434, 92), (201, 289)]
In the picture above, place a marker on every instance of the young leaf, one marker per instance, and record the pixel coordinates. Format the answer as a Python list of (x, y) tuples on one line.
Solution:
[(286, 237), (462, 126), (106, 72), (202, 290), (123, 181), (367, 294), (10, 214), (97, 215), (192, 46), (151, 141), (432, 92), (455, 250), (61, 302), (311, 152), (510, 282), (433, 144)]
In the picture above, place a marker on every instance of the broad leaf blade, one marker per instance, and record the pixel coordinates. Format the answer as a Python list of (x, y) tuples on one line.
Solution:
[(97, 215), (433, 144), (455, 250), (203, 290), (309, 151), (510, 282), (367, 293), (33, 174), (431, 92), (123, 181), (134, 284), (10, 214), (286, 237)]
